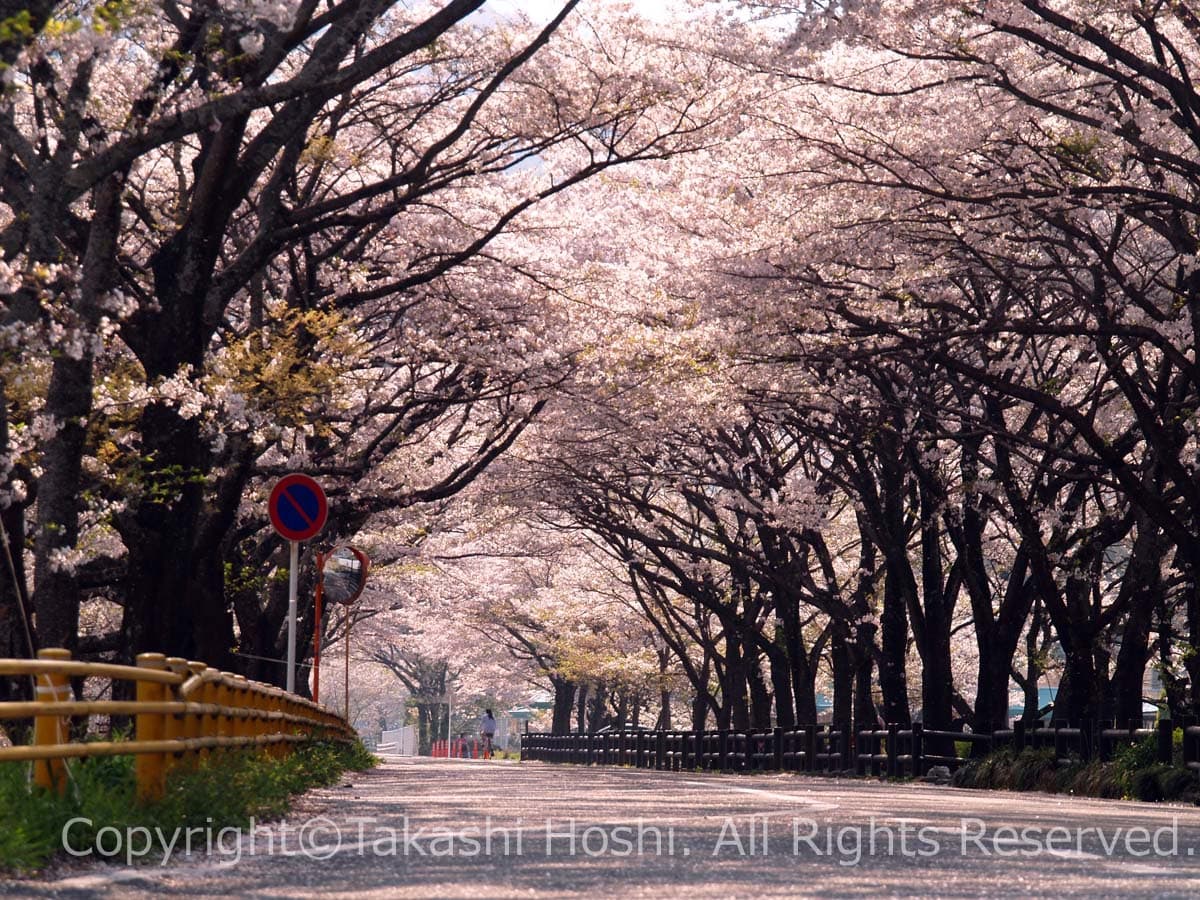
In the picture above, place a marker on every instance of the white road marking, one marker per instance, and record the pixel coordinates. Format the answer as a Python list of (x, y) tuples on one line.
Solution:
[(774, 795)]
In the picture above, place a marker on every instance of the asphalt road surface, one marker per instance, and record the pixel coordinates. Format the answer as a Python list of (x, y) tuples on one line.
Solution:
[(450, 828)]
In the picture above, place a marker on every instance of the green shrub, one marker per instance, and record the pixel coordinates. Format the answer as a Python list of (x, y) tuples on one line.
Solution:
[(1144, 783), (1133, 772), (1177, 783), (1033, 769), (1098, 779), (1139, 755), (993, 772), (226, 789), (32, 822)]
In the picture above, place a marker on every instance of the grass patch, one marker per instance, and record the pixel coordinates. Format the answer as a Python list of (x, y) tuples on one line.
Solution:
[(1132, 774), (225, 790)]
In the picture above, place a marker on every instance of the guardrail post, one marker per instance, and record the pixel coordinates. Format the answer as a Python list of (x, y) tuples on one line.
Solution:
[(893, 749), (778, 748), (918, 749), (51, 688), (150, 768), (724, 749), (660, 751)]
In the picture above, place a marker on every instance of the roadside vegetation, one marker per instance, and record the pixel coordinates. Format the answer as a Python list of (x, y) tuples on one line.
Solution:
[(225, 790), (1132, 774)]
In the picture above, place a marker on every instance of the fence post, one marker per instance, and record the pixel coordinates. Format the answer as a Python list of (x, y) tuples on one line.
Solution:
[(51, 688), (150, 768), (1166, 734), (660, 752), (245, 703), (1018, 737), (778, 748), (893, 749), (918, 749), (173, 725), (723, 749), (194, 724), (225, 722)]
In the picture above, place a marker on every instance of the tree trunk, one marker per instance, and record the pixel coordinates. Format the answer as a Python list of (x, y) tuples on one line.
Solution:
[(804, 682), (996, 640), (760, 697), (702, 700), (842, 663), (424, 729), (1191, 661), (581, 708), (69, 402), (16, 626), (893, 679), (168, 604), (564, 702), (1130, 672), (865, 715), (734, 710), (781, 681), (664, 711)]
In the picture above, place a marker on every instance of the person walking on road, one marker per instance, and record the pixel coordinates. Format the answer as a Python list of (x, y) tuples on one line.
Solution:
[(488, 729)]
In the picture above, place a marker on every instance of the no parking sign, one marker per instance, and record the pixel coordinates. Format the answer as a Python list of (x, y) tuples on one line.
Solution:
[(298, 507), (298, 510)]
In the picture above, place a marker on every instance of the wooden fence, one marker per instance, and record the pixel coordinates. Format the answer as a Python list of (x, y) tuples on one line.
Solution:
[(894, 751), (183, 710)]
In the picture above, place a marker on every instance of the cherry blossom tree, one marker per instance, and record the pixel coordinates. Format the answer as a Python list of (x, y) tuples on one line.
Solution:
[(259, 239)]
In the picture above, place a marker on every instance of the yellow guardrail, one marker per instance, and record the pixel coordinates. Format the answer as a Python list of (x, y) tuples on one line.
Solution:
[(183, 711)]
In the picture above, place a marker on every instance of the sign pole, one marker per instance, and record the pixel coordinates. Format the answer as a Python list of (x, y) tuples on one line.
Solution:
[(318, 630), (293, 578), (349, 621)]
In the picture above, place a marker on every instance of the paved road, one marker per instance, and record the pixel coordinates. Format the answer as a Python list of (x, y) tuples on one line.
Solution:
[(448, 828)]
